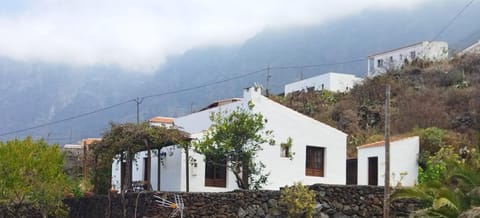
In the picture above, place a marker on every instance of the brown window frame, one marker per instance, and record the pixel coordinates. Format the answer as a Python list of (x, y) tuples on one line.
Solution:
[(313, 168), (215, 175)]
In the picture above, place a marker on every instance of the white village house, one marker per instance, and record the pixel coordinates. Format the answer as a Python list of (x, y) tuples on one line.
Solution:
[(319, 151), (335, 82), (471, 49), (403, 162), (379, 63)]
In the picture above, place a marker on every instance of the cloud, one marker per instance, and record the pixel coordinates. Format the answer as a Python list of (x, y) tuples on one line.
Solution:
[(139, 35)]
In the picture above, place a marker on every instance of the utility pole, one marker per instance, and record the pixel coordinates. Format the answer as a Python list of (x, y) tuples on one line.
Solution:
[(138, 101), (268, 80), (386, 201)]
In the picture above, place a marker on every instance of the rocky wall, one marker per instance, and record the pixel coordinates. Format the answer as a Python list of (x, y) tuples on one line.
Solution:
[(331, 201)]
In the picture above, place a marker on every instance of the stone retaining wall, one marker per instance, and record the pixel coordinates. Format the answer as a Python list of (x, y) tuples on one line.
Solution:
[(332, 201)]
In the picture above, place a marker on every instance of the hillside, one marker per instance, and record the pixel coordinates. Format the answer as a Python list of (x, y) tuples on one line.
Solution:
[(37, 93), (444, 95)]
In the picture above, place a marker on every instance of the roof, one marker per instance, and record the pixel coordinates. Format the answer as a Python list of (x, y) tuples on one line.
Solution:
[(407, 46), (382, 143), (221, 102), (89, 141), (72, 146), (158, 119), (470, 47)]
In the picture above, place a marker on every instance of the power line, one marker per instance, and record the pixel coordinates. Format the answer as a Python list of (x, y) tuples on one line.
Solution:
[(453, 20), (67, 119), (179, 91), (205, 85)]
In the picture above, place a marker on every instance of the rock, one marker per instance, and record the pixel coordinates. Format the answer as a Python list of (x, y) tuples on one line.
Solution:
[(339, 215), (272, 203), (321, 193), (241, 212), (260, 212), (472, 213)]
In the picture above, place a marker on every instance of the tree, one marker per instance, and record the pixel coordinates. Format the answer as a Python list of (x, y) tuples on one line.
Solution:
[(31, 172), (233, 141)]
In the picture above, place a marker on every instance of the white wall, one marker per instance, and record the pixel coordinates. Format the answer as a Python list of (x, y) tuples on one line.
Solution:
[(403, 158), (394, 59), (335, 82), (304, 131), (285, 123)]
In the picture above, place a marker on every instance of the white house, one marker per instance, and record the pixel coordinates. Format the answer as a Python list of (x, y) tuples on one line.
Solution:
[(319, 151), (379, 63), (403, 162), (471, 49), (335, 82)]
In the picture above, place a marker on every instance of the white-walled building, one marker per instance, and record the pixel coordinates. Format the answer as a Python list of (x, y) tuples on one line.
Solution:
[(471, 49), (379, 63), (319, 151), (403, 162), (335, 82)]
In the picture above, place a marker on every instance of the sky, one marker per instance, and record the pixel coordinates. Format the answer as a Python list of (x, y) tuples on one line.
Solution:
[(139, 36)]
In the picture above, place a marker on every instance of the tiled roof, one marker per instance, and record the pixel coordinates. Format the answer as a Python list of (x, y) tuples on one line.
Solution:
[(382, 143), (166, 120), (89, 141)]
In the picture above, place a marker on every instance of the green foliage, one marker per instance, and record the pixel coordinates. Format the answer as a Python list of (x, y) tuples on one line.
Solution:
[(432, 138), (449, 185), (235, 137), (127, 139), (31, 172), (287, 148), (299, 200), (436, 166)]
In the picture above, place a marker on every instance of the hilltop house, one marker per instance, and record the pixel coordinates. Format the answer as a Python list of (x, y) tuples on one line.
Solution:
[(335, 82), (379, 63), (403, 162), (471, 49), (319, 151)]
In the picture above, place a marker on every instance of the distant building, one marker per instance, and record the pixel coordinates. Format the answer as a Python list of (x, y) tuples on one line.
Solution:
[(319, 151), (74, 156), (335, 82), (379, 63), (471, 49), (403, 162)]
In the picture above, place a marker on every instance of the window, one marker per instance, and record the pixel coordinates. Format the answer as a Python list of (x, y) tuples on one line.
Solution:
[(412, 55), (391, 59), (380, 63), (215, 175), (314, 164)]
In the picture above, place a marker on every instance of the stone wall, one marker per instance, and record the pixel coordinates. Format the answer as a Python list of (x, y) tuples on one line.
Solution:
[(332, 201)]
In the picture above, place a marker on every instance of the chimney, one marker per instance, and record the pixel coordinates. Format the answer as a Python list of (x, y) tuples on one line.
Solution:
[(252, 93)]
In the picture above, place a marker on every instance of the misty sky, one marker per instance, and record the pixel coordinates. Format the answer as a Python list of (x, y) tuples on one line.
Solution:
[(139, 37)]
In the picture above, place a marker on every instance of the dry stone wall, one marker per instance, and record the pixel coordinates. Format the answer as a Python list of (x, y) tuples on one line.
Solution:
[(331, 201)]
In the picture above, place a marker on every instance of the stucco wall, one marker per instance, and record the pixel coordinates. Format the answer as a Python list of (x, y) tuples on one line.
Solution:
[(335, 82), (394, 59), (403, 158), (284, 122)]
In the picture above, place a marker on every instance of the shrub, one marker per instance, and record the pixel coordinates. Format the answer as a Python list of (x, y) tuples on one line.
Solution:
[(299, 200)]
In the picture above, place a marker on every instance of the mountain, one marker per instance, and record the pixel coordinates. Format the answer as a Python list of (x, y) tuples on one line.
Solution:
[(35, 93)]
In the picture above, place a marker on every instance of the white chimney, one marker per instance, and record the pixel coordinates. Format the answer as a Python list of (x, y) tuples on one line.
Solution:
[(252, 93)]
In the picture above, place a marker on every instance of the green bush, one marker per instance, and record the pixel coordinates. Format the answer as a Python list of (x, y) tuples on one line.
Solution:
[(299, 200)]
